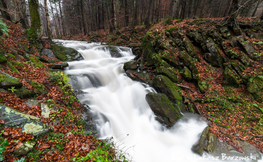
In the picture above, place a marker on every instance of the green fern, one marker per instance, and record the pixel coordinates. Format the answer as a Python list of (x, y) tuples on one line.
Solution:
[(3, 28)]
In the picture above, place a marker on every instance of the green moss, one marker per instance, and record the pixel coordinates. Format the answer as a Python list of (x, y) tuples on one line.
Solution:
[(6, 78), (12, 67), (36, 62), (11, 55), (40, 87), (2, 56), (64, 53), (24, 93), (17, 63), (169, 72), (35, 31)]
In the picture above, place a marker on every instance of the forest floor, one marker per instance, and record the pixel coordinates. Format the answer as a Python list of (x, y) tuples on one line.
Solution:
[(232, 112)]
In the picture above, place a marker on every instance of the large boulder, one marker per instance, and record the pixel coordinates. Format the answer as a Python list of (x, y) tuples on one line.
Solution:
[(48, 53), (59, 66), (250, 50), (65, 54), (162, 84), (29, 124), (162, 106), (170, 72), (7, 81), (190, 63), (131, 65)]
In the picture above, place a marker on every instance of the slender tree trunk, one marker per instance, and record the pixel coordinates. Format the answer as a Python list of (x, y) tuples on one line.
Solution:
[(48, 22), (135, 19), (112, 26), (54, 20), (62, 18), (84, 16), (59, 22), (171, 8), (126, 12), (256, 8), (233, 11)]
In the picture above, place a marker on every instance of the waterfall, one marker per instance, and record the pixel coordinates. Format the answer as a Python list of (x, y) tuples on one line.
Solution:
[(122, 111)]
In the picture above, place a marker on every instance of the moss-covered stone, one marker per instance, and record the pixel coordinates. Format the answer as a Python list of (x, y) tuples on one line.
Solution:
[(131, 65), (40, 87), (59, 66), (231, 77), (24, 93), (255, 87), (190, 48), (195, 36), (36, 62), (213, 56), (169, 57), (65, 54), (225, 32), (162, 84), (24, 149), (7, 81), (190, 63), (169, 72), (187, 74), (163, 107)]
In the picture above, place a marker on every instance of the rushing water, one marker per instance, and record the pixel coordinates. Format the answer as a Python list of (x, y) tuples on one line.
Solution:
[(122, 111)]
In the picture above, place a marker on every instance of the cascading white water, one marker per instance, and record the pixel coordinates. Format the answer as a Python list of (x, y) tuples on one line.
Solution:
[(122, 111)]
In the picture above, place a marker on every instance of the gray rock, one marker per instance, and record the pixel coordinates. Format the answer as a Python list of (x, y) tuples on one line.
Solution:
[(131, 65), (199, 147), (29, 124), (48, 53), (212, 140), (24, 149)]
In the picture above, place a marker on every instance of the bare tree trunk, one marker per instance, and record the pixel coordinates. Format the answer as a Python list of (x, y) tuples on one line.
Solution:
[(126, 12), (62, 18), (48, 22), (256, 8), (84, 16), (171, 8), (54, 20), (112, 24), (59, 22), (233, 11)]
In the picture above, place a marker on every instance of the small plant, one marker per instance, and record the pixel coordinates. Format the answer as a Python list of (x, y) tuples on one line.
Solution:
[(12, 89), (3, 144), (3, 28)]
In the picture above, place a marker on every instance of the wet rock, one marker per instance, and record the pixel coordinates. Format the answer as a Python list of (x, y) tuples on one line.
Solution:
[(24, 149), (212, 140), (198, 148), (59, 66), (65, 54), (7, 81), (162, 106), (255, 87), (162, 84), (141, 76), (29, 124), (131, 65), (48, 53)]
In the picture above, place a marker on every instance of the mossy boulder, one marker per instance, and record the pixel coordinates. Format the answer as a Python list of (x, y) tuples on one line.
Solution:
[(131, 65), (187, 74), (141, 76), (255, 87), (65, 54), (169, 57), (48, 53), (170, 72), (231, 77), (7, 81), (162, 84), (29, 124), (190, 63), (162, 106), (189, 47), (40, 87), (24, 93), (212, 140), (195, 36), (225, 32), (250, 50)]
